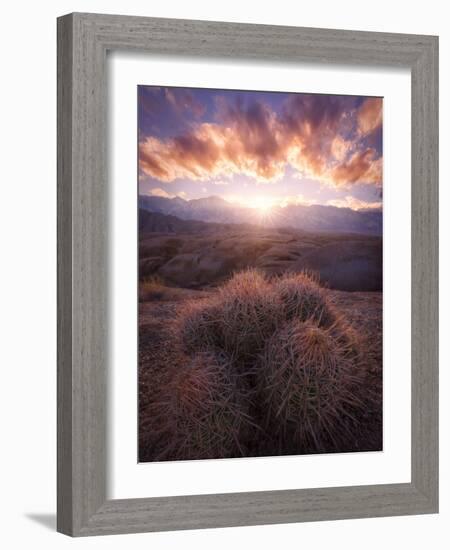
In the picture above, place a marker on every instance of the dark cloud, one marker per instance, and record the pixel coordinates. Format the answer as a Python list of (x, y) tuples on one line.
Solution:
[(182, 100)]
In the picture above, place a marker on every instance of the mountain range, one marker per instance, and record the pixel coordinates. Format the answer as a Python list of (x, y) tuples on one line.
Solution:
[(316, 218)]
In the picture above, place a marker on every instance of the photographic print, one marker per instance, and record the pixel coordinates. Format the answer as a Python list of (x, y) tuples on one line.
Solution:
[(260, 273)]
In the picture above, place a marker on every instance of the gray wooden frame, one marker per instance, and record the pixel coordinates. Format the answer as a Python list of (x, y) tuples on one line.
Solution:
[(83, 40)]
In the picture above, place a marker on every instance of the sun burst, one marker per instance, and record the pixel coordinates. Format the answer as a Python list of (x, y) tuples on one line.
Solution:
[(263, 204)]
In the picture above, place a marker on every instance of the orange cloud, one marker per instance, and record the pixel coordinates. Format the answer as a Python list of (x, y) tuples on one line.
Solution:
[(312, 126), (355, 204), (362, 167), (248, 144), (256, 141), (370, 115), (158, 192), (340, 148)]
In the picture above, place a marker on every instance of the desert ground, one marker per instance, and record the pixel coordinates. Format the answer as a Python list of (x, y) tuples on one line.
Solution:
[(186, 268), (195, 254)]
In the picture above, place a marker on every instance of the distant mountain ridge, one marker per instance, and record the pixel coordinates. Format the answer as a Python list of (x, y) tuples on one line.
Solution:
[(157, 222), (316, 218)]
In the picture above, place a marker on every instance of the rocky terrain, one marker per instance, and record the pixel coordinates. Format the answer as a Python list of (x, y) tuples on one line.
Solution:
[(196, 254)]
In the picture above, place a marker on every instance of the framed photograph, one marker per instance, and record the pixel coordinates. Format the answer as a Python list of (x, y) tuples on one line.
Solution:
[(247, 274)]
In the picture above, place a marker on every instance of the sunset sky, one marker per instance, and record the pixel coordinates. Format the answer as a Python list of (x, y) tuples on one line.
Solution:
[(260, 148)]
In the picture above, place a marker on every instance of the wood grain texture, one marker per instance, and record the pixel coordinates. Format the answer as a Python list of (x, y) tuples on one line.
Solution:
[(424, 280), (83, 197), (64, 300)]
